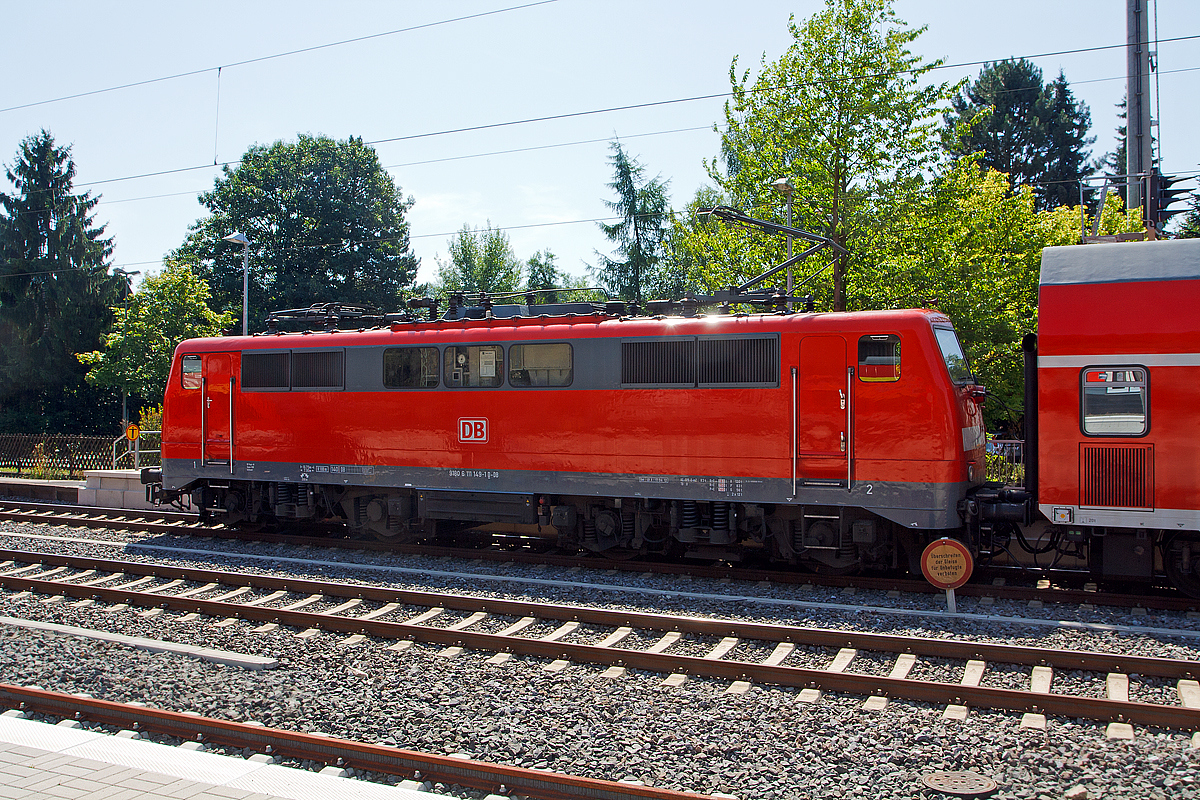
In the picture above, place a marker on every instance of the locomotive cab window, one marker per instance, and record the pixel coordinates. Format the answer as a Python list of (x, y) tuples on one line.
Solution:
[(474, 366), (1114, 401), (191, 372), (952, 354), (410, 367), (540, 365), (879, 358)]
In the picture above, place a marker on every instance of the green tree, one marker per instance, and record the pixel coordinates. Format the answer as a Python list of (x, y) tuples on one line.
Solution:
[(480, 260), (1032, 131), (971, 247), (643, 210), (843, 115), (325, 221), (1189, 226), (168, 308), (55, 294), (541, 274)]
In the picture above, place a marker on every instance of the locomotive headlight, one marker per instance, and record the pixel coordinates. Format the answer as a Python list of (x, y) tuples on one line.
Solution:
[(1063, 515)]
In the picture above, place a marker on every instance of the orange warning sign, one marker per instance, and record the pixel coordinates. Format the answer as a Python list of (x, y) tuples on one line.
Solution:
[(946, 563), (132, 432)]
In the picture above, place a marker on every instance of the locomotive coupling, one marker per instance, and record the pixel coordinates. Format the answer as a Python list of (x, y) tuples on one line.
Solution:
[(1001, 503)]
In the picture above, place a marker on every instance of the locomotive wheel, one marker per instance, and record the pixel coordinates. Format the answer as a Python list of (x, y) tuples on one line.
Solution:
[(1181, 562)]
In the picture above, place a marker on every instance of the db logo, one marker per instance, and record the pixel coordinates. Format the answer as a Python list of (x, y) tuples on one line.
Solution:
[(473, 429)]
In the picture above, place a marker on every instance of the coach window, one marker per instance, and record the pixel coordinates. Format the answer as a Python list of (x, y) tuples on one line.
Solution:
[(1115, 401), (540, 365), (879, 358), (191, 372), (410, 367), (474, 366)]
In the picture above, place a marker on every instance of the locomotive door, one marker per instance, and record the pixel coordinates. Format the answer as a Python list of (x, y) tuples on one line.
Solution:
[(216, 409), (824, 408)]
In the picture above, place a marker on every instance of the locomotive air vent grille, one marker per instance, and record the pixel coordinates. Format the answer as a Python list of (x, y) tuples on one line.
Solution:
[(738, 361), (1116, 476), (658, 362), (318, 369), (724, 361), (265, 370)]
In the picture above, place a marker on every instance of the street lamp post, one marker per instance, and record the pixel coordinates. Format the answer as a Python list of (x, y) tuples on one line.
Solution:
[(240, 238), (784, 187), (125, 390)]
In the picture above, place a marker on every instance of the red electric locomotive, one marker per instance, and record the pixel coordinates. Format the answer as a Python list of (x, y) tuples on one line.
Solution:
[(833, 439)]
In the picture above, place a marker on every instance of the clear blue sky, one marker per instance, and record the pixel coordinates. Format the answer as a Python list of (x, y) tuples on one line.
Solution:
[(559, 57)]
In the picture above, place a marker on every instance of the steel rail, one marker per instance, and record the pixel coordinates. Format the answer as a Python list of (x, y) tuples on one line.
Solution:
[(327, 749), (934, 692), (187, 523), (1092, 661)]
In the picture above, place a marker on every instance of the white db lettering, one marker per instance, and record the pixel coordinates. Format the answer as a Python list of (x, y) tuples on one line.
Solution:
[(473, 430)]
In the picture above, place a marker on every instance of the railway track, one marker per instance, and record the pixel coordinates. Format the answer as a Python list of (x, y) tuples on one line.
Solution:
[(458, 623), (470, 773), (179, 523)]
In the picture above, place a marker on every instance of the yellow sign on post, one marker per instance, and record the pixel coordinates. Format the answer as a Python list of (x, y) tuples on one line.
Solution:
[(947, 564), (132, 432)]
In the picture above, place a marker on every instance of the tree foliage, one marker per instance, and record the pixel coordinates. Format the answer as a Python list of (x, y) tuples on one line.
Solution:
[(643, 211), (480, 260), (55, 294), (325, 222), (971, 247), (1032, 131), (1189, 226), (542, 275), (843, 115), (168, 308)]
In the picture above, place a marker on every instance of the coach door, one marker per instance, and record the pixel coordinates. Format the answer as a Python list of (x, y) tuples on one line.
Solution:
[(824, 411), (216, 409)]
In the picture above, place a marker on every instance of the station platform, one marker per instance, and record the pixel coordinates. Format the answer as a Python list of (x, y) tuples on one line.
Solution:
[(105, 488), (40, 760), (35, 489)]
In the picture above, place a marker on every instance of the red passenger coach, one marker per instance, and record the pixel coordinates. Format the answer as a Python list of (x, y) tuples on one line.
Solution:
[(840, 441), (1118, 364)]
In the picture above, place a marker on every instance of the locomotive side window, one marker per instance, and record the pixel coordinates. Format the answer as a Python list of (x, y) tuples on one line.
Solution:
[(410, 368), (191, 372), (266, 371), (952, 352), (540, 365), (879, 358), (473, 366), (1114, 401)]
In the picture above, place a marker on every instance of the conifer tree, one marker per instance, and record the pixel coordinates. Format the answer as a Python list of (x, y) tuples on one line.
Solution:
[(55, 295)]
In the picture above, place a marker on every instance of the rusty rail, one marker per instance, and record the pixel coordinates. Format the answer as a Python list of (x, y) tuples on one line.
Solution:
[(372, 757)]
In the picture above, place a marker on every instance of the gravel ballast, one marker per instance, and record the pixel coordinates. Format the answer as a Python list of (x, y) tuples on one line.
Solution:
[(763, 744)]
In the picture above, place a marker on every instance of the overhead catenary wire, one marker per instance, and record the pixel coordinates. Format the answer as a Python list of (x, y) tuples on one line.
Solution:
[(285, 54), (588, 112)]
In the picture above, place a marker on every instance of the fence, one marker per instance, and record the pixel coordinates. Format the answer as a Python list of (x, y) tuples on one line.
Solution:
[(57, 457), (1006, 461)]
